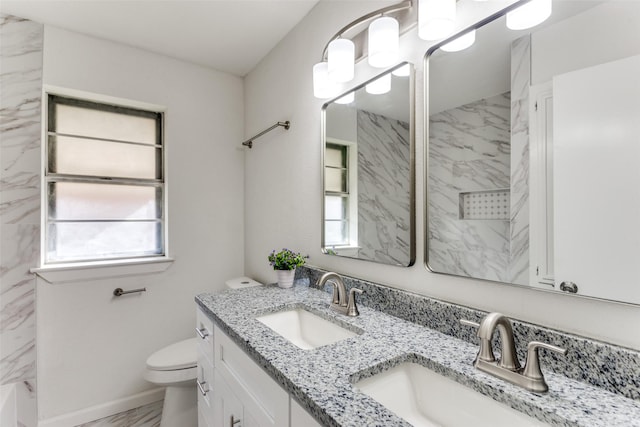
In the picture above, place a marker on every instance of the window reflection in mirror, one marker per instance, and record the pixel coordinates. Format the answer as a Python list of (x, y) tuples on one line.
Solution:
[(529, 139), (369, 171)]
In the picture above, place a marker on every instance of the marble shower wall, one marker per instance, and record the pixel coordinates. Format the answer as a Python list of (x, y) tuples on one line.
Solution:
[(480, 146), (20, 132), (384, 178), (469, 151), (519, 238)]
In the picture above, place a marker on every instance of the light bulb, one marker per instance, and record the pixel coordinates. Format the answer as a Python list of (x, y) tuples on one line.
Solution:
[(384, 42), (341, 59), (346, 99), (529, 15), (322, 87), (380, 85), (461, 43), (403, 71), (436, 19)]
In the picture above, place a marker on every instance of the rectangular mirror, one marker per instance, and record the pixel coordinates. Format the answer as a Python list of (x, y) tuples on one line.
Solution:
[(368, 171), (533, 152)]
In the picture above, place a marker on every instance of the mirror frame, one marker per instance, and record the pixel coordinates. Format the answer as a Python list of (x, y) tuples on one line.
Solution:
[(425, 141), (412, 164)]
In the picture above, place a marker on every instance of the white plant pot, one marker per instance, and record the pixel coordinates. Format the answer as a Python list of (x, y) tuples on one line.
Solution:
[(285, 278)]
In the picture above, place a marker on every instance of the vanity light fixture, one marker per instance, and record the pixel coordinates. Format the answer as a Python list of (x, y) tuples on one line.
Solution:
[(463, 42), (322, 86), (436, 19), (529, 14), (384, 42), (339, 53), (341, 58), (379, 86)]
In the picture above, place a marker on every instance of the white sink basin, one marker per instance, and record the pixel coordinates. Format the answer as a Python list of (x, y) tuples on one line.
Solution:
[(305, 329), (425, 398)]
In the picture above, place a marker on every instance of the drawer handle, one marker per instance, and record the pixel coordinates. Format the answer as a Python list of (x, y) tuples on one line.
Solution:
[(202, 332), (233, 421), (201, 387)]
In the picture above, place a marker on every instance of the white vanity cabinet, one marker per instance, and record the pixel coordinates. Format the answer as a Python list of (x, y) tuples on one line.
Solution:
[(233, 391), (263, 402), (204, 330), (300, 417)]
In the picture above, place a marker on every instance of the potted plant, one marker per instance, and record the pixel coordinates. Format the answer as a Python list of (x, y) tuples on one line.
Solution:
[(285, 263)]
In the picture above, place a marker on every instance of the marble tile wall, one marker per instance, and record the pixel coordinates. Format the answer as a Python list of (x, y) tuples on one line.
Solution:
[(20, 134), (384, 186), (490, 151), (469, 151), (519, 221), (613, 368)]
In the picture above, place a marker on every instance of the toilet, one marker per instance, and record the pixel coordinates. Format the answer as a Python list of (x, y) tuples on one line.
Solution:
[(175, 367)]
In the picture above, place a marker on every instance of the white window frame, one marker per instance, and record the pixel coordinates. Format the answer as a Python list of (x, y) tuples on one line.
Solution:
[(352, 191), (59, 272)]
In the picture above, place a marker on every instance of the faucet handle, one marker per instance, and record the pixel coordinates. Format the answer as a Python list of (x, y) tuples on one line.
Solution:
[(352, 308), (532, 365)]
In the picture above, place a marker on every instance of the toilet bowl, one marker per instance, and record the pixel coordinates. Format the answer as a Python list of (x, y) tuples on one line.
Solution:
[(175, 367)]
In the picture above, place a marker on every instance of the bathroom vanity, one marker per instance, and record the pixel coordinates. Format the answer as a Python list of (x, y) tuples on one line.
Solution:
[(252, 375), (234, 390)]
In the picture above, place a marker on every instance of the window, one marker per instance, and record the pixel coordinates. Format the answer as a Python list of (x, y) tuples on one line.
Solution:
[(337, 224), (104, 182)]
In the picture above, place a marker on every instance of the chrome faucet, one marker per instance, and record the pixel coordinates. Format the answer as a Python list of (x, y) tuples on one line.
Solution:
[(339, 300), (508, 367), (508, 359)]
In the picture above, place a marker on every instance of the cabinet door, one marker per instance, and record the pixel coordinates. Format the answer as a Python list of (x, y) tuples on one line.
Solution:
[(228, 411), (300, 417), (264, 402)]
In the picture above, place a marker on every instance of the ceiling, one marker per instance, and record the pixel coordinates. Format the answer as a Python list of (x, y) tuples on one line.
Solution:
[(227, 35)]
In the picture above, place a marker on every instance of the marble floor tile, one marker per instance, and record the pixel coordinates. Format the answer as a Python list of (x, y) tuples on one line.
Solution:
[(144, 416)]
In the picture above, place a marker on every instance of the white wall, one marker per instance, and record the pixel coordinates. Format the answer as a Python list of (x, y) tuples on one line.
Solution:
[(283, 188), (92, 347), (593, 37)]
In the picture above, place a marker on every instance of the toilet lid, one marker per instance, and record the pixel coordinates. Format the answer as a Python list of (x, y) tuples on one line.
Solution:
[(180, 355)]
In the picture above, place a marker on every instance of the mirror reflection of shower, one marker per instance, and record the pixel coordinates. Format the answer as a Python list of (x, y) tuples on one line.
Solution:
[(368, 169), (504, 190)]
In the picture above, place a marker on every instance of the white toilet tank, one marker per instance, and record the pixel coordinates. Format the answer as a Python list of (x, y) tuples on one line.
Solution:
[(241, 282)]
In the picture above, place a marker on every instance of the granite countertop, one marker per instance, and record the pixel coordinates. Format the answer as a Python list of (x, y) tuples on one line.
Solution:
[(321, 379)]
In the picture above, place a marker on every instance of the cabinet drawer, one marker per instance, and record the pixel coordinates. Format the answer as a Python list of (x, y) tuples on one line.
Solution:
[(204, 333), (264, 401), (205, 382)]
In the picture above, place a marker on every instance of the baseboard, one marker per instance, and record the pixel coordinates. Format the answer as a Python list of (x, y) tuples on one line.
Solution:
[(104, 410)]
